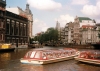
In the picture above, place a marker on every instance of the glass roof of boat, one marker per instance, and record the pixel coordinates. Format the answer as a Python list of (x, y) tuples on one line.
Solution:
[(48, 53), (53, 50)]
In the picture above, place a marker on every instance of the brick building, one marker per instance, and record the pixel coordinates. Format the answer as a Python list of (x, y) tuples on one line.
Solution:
[(15, 25)]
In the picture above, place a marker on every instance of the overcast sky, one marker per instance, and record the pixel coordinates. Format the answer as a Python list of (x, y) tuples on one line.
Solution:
[(47, 12)]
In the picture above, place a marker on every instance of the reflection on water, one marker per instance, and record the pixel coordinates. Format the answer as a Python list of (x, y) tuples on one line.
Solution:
[(11, 62), (5, 56), (70, 65)]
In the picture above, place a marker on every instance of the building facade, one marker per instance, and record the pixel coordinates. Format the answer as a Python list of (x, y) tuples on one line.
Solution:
[(16, 29), (82, 31), (78, 23), (67, 33), (27, 13), (30, 19), (98, 32), (70, 32), (76, 31), (14, 25), (62, 33), (2, 20), (89, 34), (59, 30)]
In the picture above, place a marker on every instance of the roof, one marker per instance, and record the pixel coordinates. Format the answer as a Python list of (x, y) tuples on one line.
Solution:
[(88, 26), (18, 11), (27, 10), (13, 10), (83, 18)]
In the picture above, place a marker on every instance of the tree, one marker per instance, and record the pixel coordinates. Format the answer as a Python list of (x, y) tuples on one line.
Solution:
[(50, 35), (31, 39)]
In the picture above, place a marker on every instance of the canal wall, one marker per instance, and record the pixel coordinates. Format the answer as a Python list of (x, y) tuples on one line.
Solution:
[(22, 46), (82, 46), (88, 46)]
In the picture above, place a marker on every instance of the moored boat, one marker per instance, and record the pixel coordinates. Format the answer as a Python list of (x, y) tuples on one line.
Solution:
[(48, 56), (6, 47), (92, 57)]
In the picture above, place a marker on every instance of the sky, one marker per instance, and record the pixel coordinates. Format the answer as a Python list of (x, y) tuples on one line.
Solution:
[(47, 12)]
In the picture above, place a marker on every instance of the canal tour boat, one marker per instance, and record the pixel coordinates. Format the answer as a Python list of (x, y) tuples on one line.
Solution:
[(48, 56), (92, 57)]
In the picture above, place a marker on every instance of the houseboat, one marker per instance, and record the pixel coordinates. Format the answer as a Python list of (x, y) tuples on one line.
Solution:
[(6, 47), (48, 56), (92, 57)]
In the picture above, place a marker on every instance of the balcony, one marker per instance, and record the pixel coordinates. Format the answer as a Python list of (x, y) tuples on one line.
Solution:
[(66, 34)]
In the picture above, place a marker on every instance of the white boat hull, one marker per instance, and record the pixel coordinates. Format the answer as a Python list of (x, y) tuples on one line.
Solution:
[(30, 61), (92, 61)]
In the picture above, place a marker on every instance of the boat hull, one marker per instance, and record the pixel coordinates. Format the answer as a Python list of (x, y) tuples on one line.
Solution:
[(91, 61), (29, 61), (7, 49)]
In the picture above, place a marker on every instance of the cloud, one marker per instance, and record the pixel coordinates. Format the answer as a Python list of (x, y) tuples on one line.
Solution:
[(91, 10), (67, 7), (80, 2), (63, 19), (45, 4), (39, 26)]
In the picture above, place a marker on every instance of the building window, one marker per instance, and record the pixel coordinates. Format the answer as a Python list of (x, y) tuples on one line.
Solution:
[(1, 24), (1, 37), (8, 26), (21, 29), (1, 14), (17, 28), (24, 30)]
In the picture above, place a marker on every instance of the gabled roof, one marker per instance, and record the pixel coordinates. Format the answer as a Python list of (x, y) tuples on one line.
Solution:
[(83, 18), (14, 10), (18, 11), (88, 26)]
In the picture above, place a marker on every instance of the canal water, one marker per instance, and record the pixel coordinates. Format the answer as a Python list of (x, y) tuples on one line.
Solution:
[(10, 61)]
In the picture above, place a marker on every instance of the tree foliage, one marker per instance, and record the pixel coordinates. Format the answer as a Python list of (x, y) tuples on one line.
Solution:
[(50, 35)]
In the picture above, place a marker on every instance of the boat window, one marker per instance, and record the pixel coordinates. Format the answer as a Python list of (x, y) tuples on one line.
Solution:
[(28, 54), (32, 54), (44, 55), (37, 55)]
